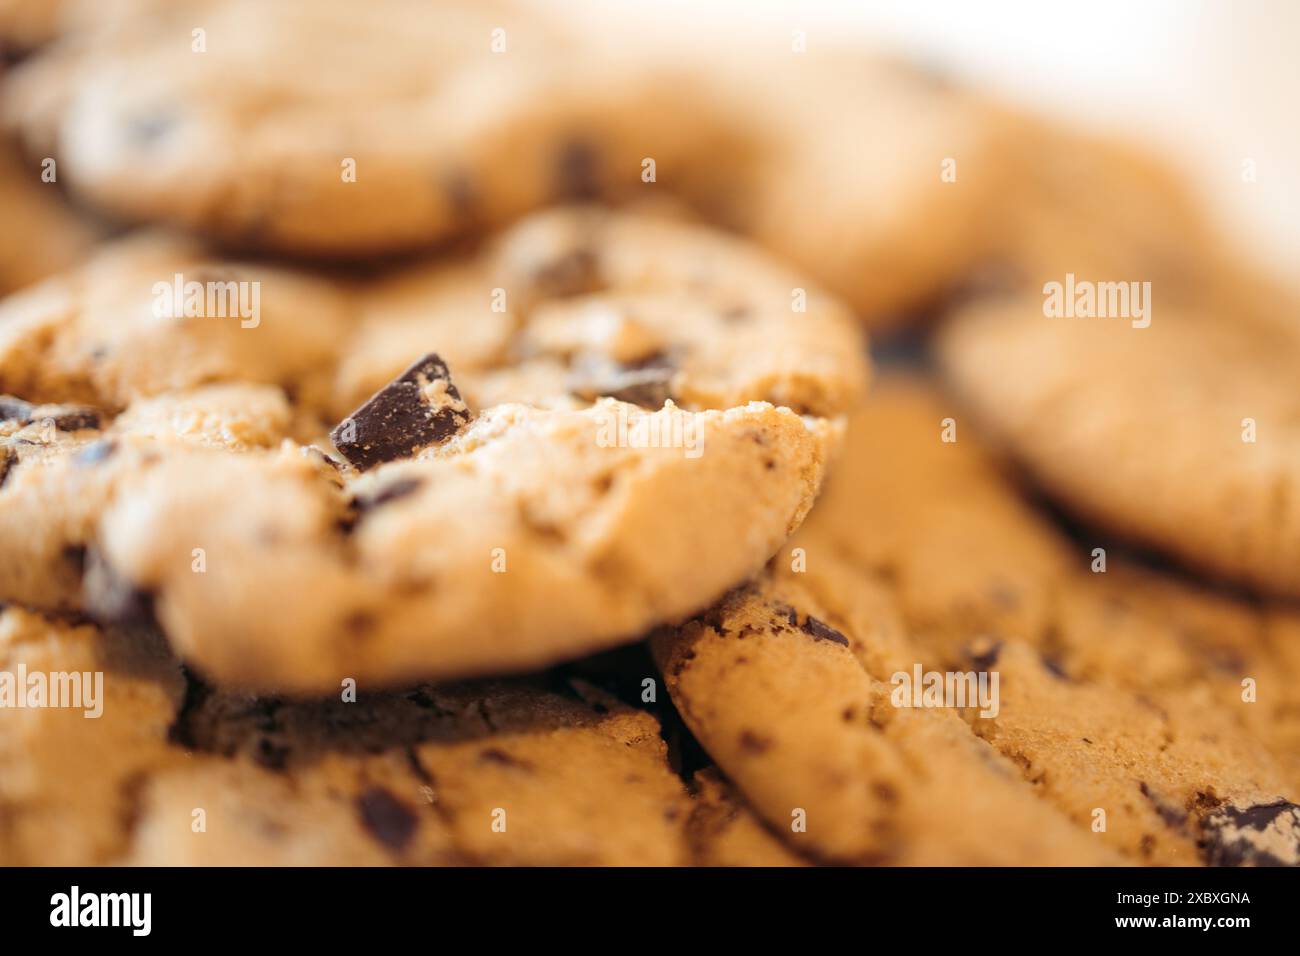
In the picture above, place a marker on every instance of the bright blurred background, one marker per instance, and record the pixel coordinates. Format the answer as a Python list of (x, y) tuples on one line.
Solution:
[(1209, 83)]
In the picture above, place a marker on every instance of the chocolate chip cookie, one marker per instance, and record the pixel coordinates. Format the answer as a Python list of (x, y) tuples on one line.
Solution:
[(539, 771), (878, 177), (1180, 435), (1139, 716), (596, 447), (330, 129)]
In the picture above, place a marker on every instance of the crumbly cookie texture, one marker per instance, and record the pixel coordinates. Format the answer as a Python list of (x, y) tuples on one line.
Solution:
[(1181, 435), (543, 771), (724, 831), (1119, 692), (788, 706), (445, 564), (360, 129)]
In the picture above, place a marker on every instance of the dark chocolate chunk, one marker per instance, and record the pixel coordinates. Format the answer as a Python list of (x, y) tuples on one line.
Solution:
[(388, 819), (823, 632), (7, 459), (409, 413), (462, 196), (1262, 835)]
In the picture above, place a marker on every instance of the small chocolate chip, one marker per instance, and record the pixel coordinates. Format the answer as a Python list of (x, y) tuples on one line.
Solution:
[(753, 743), (388, 819), (96, 452), (271, 755), (823, 632), (462, 196), (75, 555), (7, 459), (986, 659), (1054, 667), (577, 170), (111, 599), (498, 756), (403, 417), (393, 491), (576, 272)]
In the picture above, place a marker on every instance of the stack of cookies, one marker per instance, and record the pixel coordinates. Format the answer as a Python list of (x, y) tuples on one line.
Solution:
[(440, 434)]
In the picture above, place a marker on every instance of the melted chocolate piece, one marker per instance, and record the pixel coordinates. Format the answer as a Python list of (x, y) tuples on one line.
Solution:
[(823, 632), (1263, 835), (407, 414)]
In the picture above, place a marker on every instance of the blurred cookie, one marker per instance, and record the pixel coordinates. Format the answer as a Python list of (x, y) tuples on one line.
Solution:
[(876, 177), (52, 238), (331, 129), (25, 24), (1169, 709), (1100, 208), (70, 768), (616, 443), (1181, 435)]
